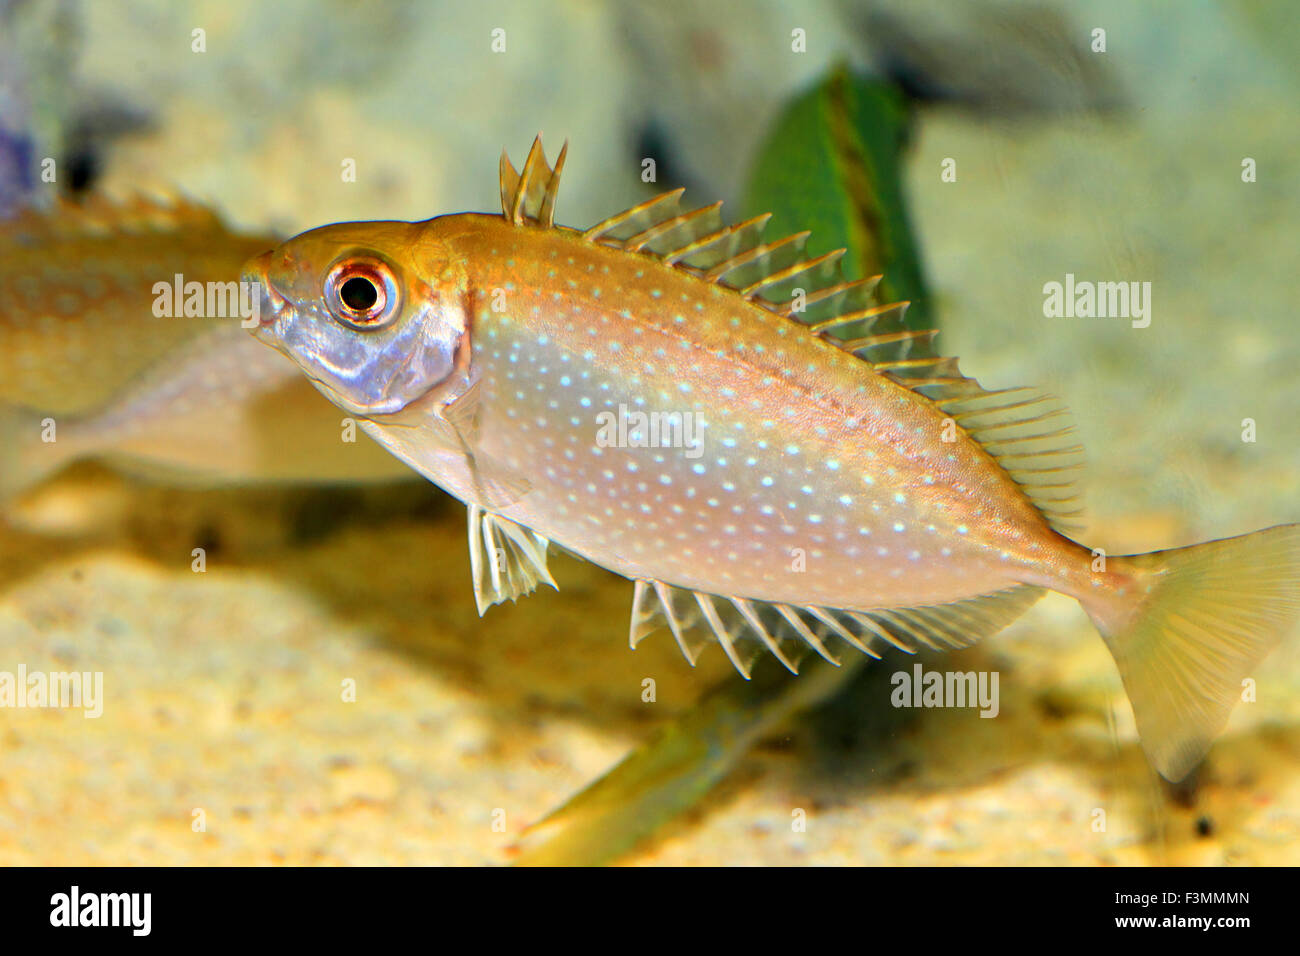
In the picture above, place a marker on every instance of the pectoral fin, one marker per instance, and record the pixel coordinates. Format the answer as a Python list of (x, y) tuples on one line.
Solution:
[(495, 484)]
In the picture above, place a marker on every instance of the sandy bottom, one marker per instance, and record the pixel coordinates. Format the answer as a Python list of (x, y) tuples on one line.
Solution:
[(225, 738)]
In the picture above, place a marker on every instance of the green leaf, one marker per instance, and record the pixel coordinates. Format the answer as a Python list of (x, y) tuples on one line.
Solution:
[(832, 164)]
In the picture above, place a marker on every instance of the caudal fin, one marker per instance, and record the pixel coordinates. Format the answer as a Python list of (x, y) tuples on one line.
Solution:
[(25, 457), (1199, 622)]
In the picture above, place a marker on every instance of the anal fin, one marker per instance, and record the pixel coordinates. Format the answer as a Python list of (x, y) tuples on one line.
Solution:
[(746, 628)]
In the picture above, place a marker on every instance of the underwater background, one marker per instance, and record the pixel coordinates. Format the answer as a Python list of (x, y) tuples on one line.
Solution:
[(223, 688)]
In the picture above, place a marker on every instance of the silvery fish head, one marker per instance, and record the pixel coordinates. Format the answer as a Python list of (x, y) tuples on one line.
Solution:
[(370, 311)]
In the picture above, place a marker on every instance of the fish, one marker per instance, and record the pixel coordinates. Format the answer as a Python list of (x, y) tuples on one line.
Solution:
[(777, 463), (84, 359)]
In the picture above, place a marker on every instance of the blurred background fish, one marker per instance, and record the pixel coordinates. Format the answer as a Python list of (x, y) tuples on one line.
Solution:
[(89, 370)]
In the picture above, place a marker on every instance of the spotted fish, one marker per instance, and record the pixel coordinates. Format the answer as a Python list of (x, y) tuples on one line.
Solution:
[(840, 481)]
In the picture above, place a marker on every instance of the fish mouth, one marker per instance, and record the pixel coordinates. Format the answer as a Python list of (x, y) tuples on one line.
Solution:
[(273, 304)]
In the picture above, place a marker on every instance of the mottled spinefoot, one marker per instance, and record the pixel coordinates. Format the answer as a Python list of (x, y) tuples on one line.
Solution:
[(483, 350)]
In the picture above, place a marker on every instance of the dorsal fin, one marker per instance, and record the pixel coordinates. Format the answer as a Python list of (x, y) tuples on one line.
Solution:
[(528, 198), (103, 216), (1029, 433), (811, 291)]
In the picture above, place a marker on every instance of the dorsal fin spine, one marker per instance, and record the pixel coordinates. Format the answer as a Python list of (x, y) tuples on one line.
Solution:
[(528, 197), (789, 272), (745, 258), (509, 184), (866, 286), (704, 242), (637, 242), (546, 217), (888, 338), (598, 231), (858, 315)]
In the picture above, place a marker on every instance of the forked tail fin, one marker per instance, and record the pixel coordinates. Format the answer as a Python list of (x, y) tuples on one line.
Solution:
[(1200, 621)]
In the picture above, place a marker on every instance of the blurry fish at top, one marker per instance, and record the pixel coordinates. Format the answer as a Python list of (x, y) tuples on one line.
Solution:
[(84, 359)]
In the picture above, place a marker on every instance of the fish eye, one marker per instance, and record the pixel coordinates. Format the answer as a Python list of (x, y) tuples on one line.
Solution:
[(359, 294), (362, 292)]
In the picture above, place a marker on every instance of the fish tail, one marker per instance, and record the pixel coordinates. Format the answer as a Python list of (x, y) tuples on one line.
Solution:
[(25, 458), (1197, 623)]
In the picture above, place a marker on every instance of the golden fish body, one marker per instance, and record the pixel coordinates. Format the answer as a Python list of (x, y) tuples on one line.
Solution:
[(841, 481), (817, 479)]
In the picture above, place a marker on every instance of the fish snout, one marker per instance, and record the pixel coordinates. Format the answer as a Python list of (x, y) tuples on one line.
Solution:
[(270, 302)]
